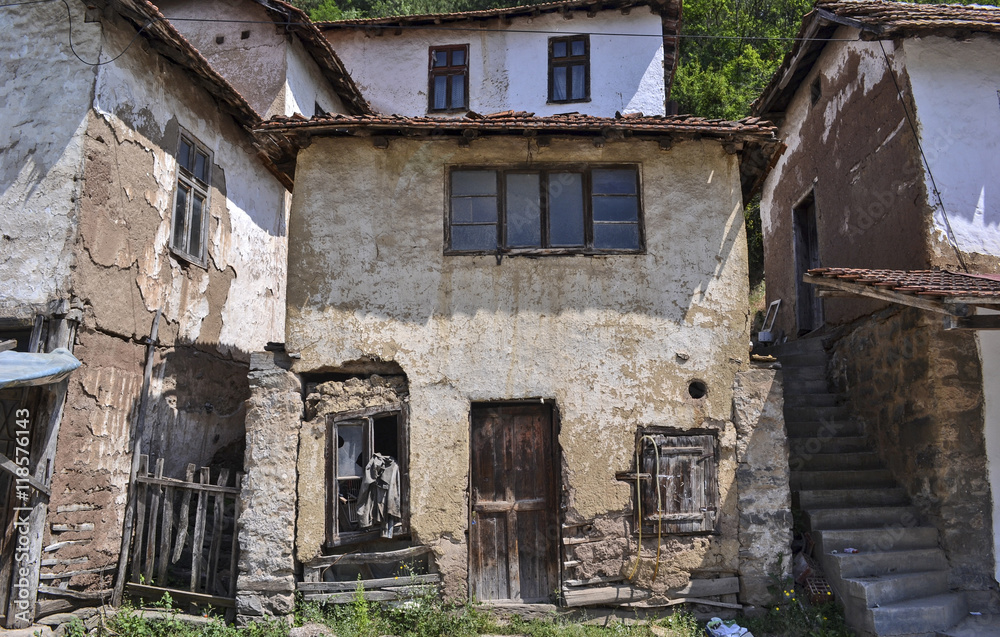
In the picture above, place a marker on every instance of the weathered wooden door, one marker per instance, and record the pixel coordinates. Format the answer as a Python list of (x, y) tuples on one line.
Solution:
[(514, 525)]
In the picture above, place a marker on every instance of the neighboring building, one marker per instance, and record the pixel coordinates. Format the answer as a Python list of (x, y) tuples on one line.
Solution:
[(890, 118), (596, 58), (514, 307), (133, 189)]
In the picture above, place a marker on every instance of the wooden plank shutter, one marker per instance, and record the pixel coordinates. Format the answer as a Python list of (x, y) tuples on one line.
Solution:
[(686, 481)]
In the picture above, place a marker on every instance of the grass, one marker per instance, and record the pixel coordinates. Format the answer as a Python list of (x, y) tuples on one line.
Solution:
[(429, 616)]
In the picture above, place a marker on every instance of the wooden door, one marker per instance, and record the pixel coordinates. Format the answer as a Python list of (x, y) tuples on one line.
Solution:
[(513, 530)]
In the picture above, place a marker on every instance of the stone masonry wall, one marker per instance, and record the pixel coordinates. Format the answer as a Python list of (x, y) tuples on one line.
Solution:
[(918, 390)]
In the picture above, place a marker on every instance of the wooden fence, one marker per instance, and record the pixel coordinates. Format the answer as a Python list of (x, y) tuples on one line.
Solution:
[(184, 540)]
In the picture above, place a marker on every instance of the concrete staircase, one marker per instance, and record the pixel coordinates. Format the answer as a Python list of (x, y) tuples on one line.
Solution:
[(897, 582)]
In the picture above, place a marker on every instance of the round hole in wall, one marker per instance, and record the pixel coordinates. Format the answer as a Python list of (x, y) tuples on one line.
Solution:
[(697, 389)]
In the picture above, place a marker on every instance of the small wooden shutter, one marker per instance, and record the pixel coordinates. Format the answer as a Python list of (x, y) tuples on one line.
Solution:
[(687, 483)]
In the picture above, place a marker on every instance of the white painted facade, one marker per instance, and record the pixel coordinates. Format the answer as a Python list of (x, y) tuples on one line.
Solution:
[(956, 87), (508, 64), (271, 69)]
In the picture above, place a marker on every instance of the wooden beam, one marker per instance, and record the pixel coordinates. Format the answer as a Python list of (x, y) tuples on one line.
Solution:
[(708, 587), (384, 557), (868, 291), (156, 592), (6, 464), (620, 594), (8, 345), (347, 598), (367, 584)]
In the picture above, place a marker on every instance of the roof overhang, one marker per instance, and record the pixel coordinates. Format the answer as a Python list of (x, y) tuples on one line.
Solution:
[(955, 295)]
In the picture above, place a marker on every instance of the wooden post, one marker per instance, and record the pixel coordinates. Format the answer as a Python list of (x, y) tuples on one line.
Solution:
[(182, 520), (154, 513), (116, 597)]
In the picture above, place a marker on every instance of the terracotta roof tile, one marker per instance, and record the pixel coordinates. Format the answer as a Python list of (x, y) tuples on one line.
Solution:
[(925, 283), (894, 17)]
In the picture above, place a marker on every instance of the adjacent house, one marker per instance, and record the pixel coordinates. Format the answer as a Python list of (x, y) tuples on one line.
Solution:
[(144, 229), (881, 241), (526, 330)]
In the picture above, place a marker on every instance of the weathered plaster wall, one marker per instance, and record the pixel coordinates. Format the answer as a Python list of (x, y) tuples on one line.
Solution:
[(919, 391), (855, 149), (305, 85), (47, 94), (613, 340), (989, 354), (765, 501), (124, 271), (955, 84), (509, 70)]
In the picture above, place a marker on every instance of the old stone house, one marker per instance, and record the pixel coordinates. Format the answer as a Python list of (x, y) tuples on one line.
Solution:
[(539, 318), (881, 242), (134, 203)]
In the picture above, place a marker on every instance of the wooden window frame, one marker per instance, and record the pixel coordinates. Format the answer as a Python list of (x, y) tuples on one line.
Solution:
[(335, 537), (702, 447), (546, 249), (568, 61), (448, 71), (187, 180)]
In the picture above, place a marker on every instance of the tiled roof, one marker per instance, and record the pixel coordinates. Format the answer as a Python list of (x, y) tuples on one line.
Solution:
[(894, 18), (940, 284), (671, 8), (520, 121)]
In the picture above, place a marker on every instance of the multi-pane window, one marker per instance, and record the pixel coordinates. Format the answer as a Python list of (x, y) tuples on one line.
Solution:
[(569, 69), (572, 209), (194, 166), (449, 78)]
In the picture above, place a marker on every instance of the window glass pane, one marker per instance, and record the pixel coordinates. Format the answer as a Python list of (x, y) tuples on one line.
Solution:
[(473, 182), (457, 91), (614, 181), (616, 236), (440, 58), (201, 166), (184, 154), (579, 82), (458, 58), (473, 209), (565, 209), (194, 245), (559, 83), (524, 211), (616, 208), (474, 237), (578, 47), (180, 212), (350, 450), (559, 49), (440, 89)]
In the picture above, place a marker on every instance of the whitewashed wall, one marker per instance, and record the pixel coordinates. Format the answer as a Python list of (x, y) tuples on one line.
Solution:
[(955, 85), (46, 95), (509, 69)]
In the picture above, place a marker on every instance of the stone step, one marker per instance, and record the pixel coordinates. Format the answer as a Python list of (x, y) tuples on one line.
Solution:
[(895, 538), (801, 346), (798, 400), (859, 517), (807, 359), (841, 498), (834, 461), (804, 373), (867, 563), (823, 428), (817, 412), (921, 615), (795, 387), (895, 587), (867, 478), (982, 625), (827, 444)]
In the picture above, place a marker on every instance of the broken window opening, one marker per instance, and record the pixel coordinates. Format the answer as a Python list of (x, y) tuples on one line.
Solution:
[(557, 210), (677, 483), (449, 78), (191, 200), (367, 475)]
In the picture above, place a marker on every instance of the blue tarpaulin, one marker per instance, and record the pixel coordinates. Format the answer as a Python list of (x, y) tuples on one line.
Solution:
[(21, 369)]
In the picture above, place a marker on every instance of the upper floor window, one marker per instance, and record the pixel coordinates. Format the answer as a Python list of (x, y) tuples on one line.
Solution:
[(588, 209), (449, 78), (569, 69), (194, 167)]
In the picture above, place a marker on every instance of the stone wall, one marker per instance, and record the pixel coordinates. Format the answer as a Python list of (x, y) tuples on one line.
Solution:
[(918, 390), (764, 499)]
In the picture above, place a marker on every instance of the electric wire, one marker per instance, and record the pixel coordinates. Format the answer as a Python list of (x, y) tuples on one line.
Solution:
[(937, 193)]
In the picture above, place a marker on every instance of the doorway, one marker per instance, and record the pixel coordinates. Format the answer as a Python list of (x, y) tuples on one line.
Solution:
[(809, 308), (514, 516)]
